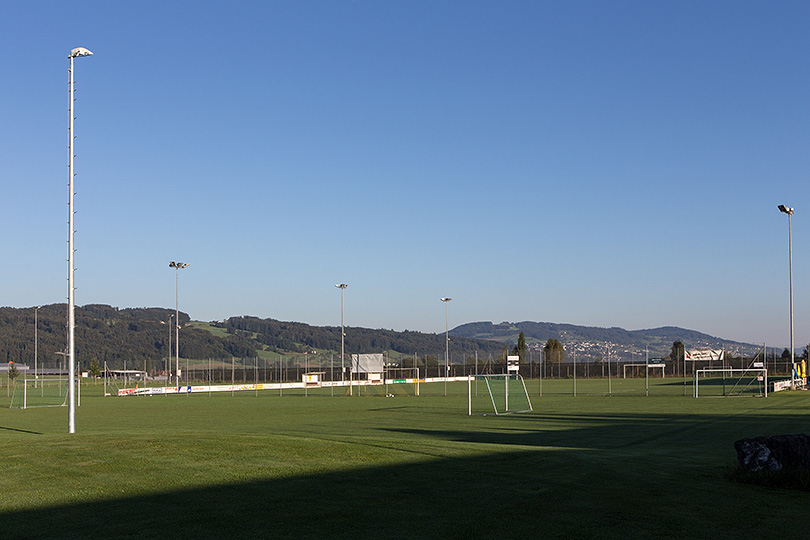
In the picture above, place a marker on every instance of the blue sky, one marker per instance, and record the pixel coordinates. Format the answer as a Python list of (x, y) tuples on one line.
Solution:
[(598, 163)]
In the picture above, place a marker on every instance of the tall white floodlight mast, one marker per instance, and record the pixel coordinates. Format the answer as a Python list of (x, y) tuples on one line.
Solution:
[(75, 53), (177, 266), (446, 345), (342, 287), (789, 211)]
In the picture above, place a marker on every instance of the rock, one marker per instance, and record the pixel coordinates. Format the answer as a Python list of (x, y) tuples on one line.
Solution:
[(774, 453)]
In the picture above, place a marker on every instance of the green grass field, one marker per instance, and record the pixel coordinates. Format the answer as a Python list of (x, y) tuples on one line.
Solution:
[(248, 466)]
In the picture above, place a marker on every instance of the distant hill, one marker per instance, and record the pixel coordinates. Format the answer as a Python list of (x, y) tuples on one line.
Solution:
[(595, 342), (293, 337), (139, 338), (135, 337)]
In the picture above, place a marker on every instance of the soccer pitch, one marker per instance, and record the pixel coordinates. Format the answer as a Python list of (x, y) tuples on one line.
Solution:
[(257, 465)]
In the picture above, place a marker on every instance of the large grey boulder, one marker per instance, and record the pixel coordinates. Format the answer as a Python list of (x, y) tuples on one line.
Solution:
[(774, 453)]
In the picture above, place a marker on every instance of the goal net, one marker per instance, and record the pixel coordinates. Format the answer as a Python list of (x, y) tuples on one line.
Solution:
[(727, 382), (40, 392), (497, 394)]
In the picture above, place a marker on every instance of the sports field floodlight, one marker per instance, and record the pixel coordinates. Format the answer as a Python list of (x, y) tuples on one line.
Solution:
[(446, 344), (79, 51), (75, 53), (789, 211), (177, 267), (342, 287)]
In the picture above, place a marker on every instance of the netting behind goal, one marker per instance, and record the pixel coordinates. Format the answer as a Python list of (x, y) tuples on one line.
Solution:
[(497, 394), (41, 392)]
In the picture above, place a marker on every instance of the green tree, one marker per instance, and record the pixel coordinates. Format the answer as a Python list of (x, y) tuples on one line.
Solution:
[(429, 360), (554, 351), (13, 372), (95, 369), (677, 354), (520, 350)]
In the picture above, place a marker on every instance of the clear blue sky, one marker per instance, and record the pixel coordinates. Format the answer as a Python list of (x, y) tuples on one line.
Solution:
[(608, 163)]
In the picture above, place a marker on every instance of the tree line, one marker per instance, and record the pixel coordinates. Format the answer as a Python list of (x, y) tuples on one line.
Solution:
[(135, 337), (280, 336)]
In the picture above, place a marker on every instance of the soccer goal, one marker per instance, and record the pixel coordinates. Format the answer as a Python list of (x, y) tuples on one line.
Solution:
[(499, 394), (727, 382), (40, 392)]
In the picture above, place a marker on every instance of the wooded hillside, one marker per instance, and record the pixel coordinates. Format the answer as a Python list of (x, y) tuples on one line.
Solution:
[(138, 337)]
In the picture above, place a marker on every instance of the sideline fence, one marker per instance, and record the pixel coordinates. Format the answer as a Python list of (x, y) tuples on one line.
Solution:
[(566, 378)]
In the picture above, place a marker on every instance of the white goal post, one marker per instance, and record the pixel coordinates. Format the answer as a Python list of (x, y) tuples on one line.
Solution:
[(724, 382), (506, 394), (44, 391)]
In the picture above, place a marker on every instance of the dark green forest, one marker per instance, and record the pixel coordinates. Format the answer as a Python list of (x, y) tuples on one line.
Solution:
[(299, 337), (137, 337), (107, 334)]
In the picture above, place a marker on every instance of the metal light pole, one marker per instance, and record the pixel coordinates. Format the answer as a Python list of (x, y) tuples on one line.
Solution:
[(789, 211), (177, 266), (342, 287), (75, 53), (446, 344), (168, 364)]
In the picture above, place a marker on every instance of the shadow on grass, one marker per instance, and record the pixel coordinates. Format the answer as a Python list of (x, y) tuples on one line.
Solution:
[(612, 431), (609, 488), (20, 430), (436, 499)]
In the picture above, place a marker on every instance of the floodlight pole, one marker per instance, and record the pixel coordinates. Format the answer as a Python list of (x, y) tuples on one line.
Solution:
[(168, 364), (342, 287), (789, 211), (446, 344), (177, 266), (75, 53)]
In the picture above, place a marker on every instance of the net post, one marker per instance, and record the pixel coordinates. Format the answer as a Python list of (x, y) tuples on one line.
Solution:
[(506, 393), (469, 396)]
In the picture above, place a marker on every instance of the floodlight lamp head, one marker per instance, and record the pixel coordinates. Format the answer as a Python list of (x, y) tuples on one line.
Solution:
[(79, 51), (785, 210), (445, 299), (342, 285)]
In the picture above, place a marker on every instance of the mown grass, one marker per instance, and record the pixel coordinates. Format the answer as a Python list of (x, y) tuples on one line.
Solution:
[(265, 466)]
